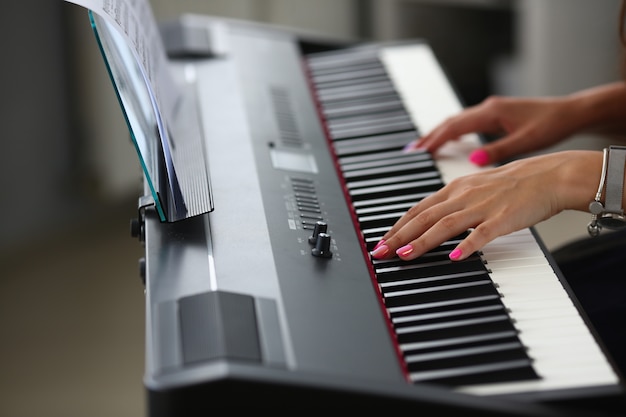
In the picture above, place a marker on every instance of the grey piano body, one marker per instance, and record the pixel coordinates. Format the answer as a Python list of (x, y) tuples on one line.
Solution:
[(239, 312)]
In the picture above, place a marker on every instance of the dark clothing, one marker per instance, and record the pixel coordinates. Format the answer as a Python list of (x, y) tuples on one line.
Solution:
[(595, 269)]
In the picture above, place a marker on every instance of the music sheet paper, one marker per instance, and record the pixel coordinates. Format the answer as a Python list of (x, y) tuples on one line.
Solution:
[(135, 21)]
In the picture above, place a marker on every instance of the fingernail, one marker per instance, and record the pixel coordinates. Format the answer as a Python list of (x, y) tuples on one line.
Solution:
[(479, 157), (404, 250), (380, 251), (455, 254), (409, 146), (381, 242)]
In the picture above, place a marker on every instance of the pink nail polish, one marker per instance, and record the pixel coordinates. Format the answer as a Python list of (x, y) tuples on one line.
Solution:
[(380, 251), (404, 250), (455, 254), (381, 242), (479, 157)]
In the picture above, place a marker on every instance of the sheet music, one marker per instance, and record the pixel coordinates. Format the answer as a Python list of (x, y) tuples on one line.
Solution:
[(135, 21)]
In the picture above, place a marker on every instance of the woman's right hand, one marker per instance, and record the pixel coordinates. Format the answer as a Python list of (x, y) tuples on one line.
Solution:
[(494, 202), (526, 125)]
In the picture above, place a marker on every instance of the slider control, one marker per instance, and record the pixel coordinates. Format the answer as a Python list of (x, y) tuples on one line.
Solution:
[(322, 246), (320, 227)]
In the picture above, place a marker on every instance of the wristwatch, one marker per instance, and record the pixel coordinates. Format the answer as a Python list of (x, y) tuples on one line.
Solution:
[(609, 214)]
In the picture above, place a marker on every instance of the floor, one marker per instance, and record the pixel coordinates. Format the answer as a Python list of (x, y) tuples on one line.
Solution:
[(72, 323)]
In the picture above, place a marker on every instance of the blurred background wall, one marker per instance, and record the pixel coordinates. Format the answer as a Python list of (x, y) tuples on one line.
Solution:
[(71, 305), (65, 142)]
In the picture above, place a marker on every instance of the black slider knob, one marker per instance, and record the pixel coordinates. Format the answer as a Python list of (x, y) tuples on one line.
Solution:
[(322, 246), (320, 227)]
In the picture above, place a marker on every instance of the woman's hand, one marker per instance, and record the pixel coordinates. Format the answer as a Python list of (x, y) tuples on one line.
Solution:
[(531, 124), (526, 125), (493, 203)]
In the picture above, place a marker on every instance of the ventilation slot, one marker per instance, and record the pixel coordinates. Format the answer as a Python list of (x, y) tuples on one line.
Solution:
[(287, 126)]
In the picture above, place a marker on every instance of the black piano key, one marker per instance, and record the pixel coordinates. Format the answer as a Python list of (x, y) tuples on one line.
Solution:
[(428, 360), (340, 58), (471, 289), (385, 127), (371, 120), (364, 150), (354, 94), (368, 146), (401, 208), (458, 342), (362, 71), (362, 128), (351, 105), (387, 170), (422, 268), (388, 159), (401, 198), (396, 179), (389, 190), (451, 329), (364, 64), (467, 357), (420, 182), (455, 308), (514, 370), (333, 92), (359, 74), (380, 220), (443, 320), (362, 107), (424, 286), (447, 314), (397, 139), (415, 283)]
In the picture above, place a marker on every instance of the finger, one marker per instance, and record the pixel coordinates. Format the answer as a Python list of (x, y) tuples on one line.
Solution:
[(413, 223), (474, 119), (412, 146), (507, 147), (443, 230), (475, 241), (417, 210)]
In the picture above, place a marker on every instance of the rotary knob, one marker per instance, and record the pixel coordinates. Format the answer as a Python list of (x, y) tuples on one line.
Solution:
[(137, 229), (322, 246), (320, 227)]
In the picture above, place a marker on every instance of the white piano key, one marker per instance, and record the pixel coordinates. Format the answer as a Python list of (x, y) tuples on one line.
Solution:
[(523, 250)]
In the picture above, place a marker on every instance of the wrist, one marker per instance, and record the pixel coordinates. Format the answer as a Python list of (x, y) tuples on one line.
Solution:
[(598, 107), (579, 179)]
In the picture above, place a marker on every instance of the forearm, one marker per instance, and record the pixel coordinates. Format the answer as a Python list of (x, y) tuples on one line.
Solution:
[(600, 109)]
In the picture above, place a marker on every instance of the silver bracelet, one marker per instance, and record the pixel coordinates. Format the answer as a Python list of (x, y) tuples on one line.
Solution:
[(609, 214)]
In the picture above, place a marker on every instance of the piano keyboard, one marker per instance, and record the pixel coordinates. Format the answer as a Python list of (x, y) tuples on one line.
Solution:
[(498, 322)]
